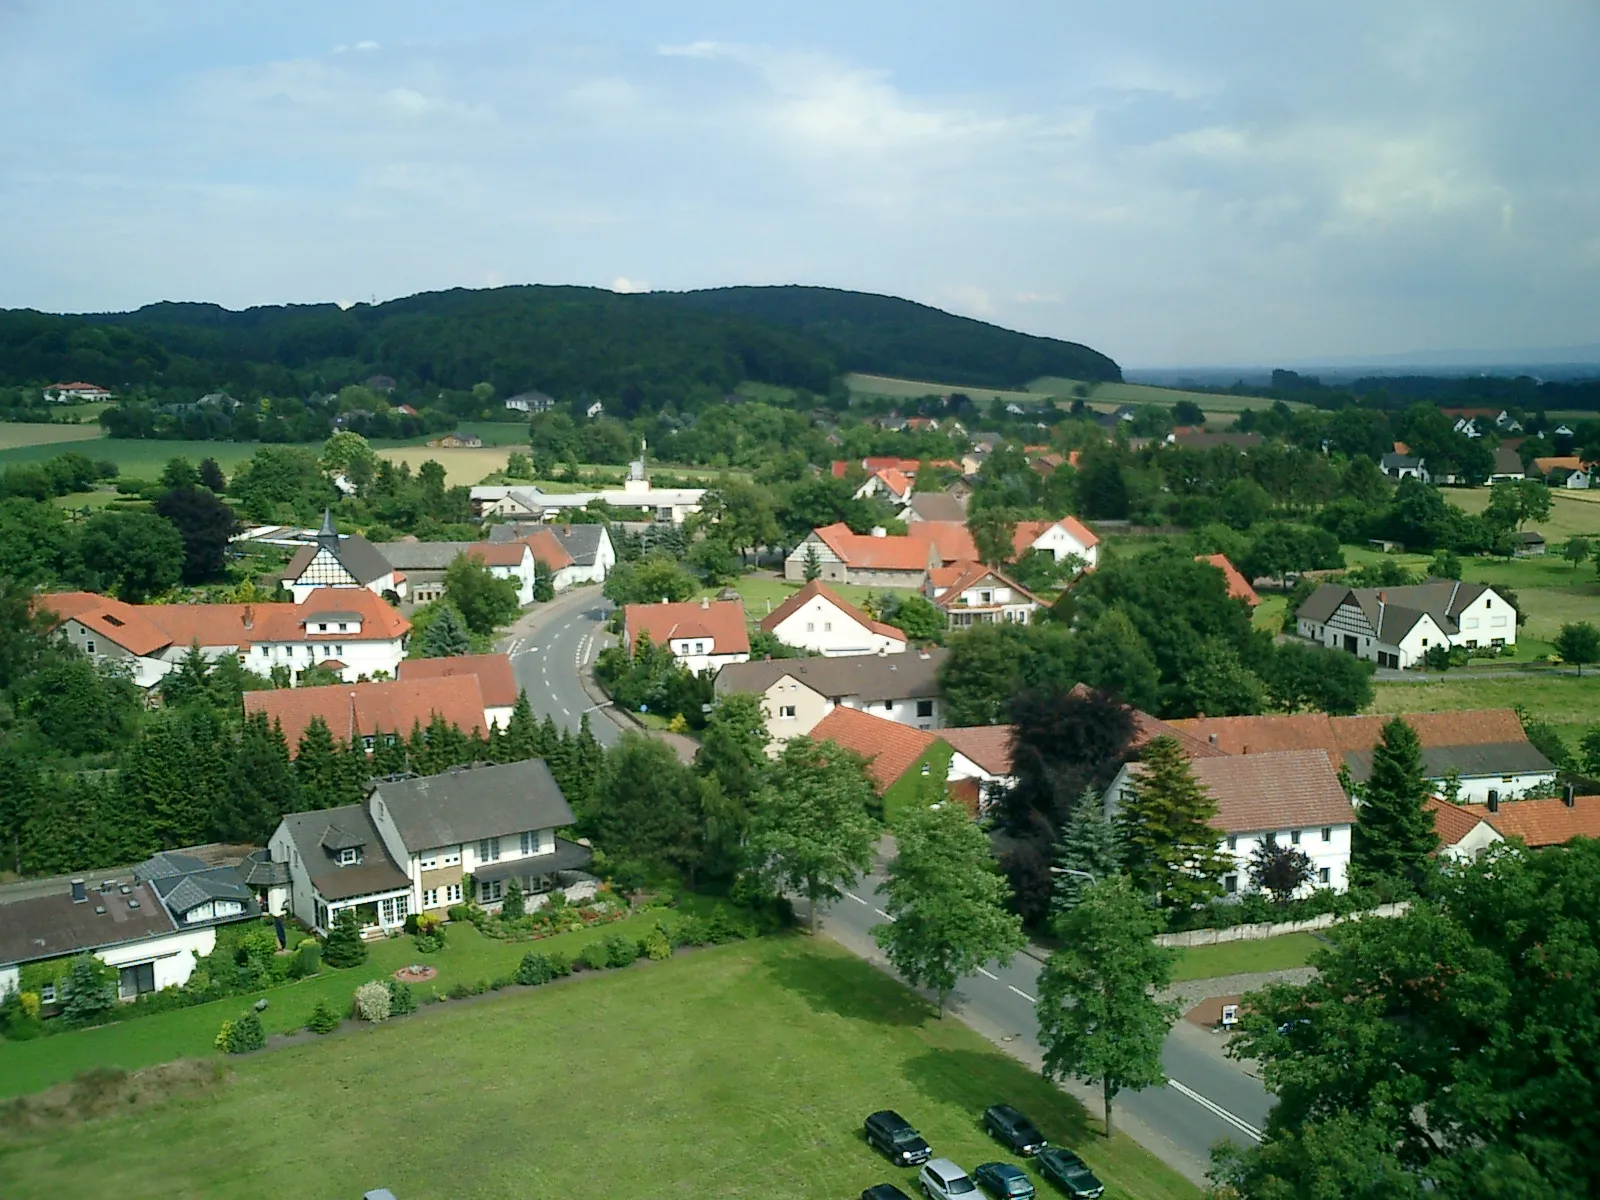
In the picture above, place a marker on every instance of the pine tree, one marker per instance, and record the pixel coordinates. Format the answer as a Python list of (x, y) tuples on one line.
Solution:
[(549, 740), (388, 754), (189, 684), (588, 756), (352, 773), (344, 947), (519, 740), (813, 564), (1088, 848), (1168, 844), (315, 769), (261, 785), (1394, 833), (447, 634), (172, 775)]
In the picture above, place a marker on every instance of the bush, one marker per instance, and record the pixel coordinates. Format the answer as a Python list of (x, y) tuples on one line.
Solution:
[(323, 1018), (688, 930), (372, 1002), (307, 960), (401, 998), (19, 1016), (345, 947), (534, 969), (255, 951), (90, 995), (223, 1036), (656, 944), (511, 905), (460, 990), (595, 956), (501, 982), (560, 965), (428, 943), (244, 1035), (620, 951)]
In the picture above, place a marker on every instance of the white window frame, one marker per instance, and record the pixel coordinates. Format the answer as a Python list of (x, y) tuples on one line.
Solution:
[(349, 858), (489, 850), (452, 857), (786, 712), (428, 861)]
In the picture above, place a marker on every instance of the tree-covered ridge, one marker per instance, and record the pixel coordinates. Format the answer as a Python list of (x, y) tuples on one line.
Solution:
[(637, 351)]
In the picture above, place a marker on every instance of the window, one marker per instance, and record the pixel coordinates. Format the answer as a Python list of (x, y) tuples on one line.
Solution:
[(827, 627), (322, 627), (136, 980), (430, 898), (47, 993), (786, 712), (89, 646), (367, 742), (1327, 833), (811, 626), (985, 597), (1230, 884), (489, 849), (349, 858), (924, 708), (1323, 875), (1233, 842), (338, 651), (341, 626), (1507, 778), (927, 768), (429, 860), (888, 705), (452, 893), (490, 890), (530, 842), (1294, 837), (452, 856)]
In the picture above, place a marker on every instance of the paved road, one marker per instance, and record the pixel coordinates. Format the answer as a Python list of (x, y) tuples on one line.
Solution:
[(548, 659), (1208, 1098)]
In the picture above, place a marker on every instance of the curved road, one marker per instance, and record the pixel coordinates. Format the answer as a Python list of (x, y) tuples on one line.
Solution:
[(549, 657)]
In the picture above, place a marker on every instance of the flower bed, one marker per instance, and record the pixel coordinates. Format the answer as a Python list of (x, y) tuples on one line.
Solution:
[(416, 973)]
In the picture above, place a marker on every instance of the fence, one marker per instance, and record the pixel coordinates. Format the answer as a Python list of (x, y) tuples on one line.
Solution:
[(1264, 929)]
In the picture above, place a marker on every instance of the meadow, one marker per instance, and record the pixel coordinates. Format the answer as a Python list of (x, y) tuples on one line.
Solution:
[(741, 1071), (15, 436)]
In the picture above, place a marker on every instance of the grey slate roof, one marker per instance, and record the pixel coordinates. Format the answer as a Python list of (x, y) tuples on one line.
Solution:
[(1401, 607), (466, 804), (185, 882), (357, 555), (422, 556), (1487, 758), (938, 506), (911, 675), (376, 872), (582, 542), (1507, 461), (260, 871), (47, 926), (1394, 461)]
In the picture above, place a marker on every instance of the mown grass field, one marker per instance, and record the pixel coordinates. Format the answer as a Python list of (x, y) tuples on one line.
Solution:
[(1571, 703), (136, 458), (1570, 512), (896, 389), (1238, 958), (743, 1071), (17, 435), (1145, 393)]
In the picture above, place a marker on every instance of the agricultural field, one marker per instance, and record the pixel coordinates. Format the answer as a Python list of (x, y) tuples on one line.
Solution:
[(899, 389), (1569, 702), (461, 467), (137, 458), (742, 1071), (16, 436), (1104, 394), (1570, 512)]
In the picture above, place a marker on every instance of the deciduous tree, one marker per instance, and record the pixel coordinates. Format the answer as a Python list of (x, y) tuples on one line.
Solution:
[(205, 524), (484, 600), (1279, 870), (1578, 643), (134, 554)]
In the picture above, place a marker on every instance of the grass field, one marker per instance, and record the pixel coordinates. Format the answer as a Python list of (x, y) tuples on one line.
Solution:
[(743, 1071), (1268, 615), (16, 435), (1570, 512), (1145, 393), (1569, 702), (464, 467), (762, 592), (136, 458), (1239, 958), (883, 385)]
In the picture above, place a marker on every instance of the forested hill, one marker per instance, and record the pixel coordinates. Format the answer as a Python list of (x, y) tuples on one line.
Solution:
[(566, 341), (884, 335)]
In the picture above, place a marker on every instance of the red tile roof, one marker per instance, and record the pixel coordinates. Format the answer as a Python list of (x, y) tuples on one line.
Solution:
[(955, 579), (355, 710), (547, 549), (895, 480), (1547, 822), (1567, 462), (815, 589), (950, 539), (987, 745), (1238, 586), (498, 554), (1029, 532), (889, 747), (493, 672), (1289, 790), (719, 621), (1303, 731), (1453, 821), (866, 552)]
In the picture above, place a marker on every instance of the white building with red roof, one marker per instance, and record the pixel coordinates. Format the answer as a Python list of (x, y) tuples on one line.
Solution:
[(704, 635), (969, 593), (817, 619), (492, 671), (76, 392), (891, 483), (873, 559), (361, 714), (1063, 539)]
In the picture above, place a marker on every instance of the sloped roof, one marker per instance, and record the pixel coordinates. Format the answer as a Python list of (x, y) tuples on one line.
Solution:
[(719, 621), (893, 479), (1392, 611), (547, 549), (1341, 736), (1205, 441), (1453, 822), (1547, 822), (1464, 727), (466, 804), (1255, 793), (356, 710), (987, 745), (1238, 586), (1473, 761), (816, 588), (889, 747), (910, 676), (580, 541), (951, 581), (866, 552), (52, 925), (1028, 532), (1558, 462), (493, 671), (938, 506), (364, 561), (349, 826), (436, 556), (951, 539), (1507, 461)]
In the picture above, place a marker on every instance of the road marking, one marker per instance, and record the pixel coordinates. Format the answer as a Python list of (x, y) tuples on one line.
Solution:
[(883, 914), (1021, 993), (986, 975), (565, 711), (855, 897), (1212, 1106)]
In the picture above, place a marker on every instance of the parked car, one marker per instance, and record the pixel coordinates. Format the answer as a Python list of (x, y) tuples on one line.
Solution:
[(893, 1135), (884, 1191), (1004, 1181), (1015, 1131), (941, 1179), (1070, 1173)]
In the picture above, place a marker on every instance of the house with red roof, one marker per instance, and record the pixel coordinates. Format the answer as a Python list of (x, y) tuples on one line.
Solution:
[(873, 559), (818, 619), (492, 671), (704, 635), (348, 630), (1063, 539), (969, 593), (77, 392), (891, 483), (1239, 587), (362, 713)]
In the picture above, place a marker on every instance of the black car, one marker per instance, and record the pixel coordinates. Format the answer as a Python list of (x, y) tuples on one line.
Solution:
[(884, 1191), (892, 1134), (1070, 1173), (1014, 1131)]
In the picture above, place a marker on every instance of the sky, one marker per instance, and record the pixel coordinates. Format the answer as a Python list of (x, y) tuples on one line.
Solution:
[(1235, 182)]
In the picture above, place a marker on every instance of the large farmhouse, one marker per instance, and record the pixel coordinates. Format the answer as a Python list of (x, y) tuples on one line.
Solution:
[(1396, 627)]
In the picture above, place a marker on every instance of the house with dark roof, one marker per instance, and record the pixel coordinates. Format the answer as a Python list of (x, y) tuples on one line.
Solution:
[(422, 844), (425, 563), (1395, 627), (936, 506), (1292, 797), (704, 635), (818, 619), (797, 693), (336, 560), (588, 549), (1508, 466)]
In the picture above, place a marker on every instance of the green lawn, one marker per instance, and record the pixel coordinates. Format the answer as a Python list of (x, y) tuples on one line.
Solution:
[(141, 1041), (1569, 702), (1268, 615), (1570, 512), (136, 457), (1239, 958), (743, 1071), (762, 592), (16, 435)]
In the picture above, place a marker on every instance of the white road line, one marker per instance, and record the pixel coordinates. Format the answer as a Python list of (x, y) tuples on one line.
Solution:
[(883, 914), (1212, 1106), (855, 897), (565, 711), (1020, 992), (986, 975)]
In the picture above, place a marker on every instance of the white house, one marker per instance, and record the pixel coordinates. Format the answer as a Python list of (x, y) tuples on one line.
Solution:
[(1464, 833), (348, 630), (1063, 539), (530, 402), (1292, 797), (341, 561), (75, 393), (424, 565), (704, 635), (1508, 466), (636, 497), (816, 619), (574, 553), (1397, 465), (981, 760), (797, 693), (1395, 627), (1483, 773), (970, 593), (893, 485)]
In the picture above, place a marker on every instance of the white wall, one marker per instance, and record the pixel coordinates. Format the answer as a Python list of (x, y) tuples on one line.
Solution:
[(1475, 789), (696, 654), (1332, 855), (173, 955), (1059, 544), (1486, 619), (825, 629), (903, 712)]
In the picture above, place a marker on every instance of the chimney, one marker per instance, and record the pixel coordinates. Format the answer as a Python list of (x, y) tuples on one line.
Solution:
[(1569, 796), (249, 616), (1245, 749), (80, 894), (879, 531), (1494, 801)]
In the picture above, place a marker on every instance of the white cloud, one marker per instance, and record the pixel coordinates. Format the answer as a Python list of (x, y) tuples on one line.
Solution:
[(626, 286)]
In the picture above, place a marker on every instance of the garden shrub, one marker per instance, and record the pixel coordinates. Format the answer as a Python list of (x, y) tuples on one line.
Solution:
[(620, 951), (242, 1035), (323, 1018), (595, 956), (372, 1002), (401, 998), (345, 947), (256, 951), (460, 990), (479, 988), (656, 944), (19, 1016), (511, 904), (688, 930), (307, 960), (428, 943), (90, 993), (223, 1036), (534, 969), (560, 964), (501, 982)]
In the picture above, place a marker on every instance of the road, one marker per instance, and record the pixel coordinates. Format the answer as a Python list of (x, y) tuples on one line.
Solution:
[(549, 651), (1208, 1098)]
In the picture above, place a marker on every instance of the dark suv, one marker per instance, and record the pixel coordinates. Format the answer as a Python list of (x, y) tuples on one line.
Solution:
[(892, 1134), (1071, 1174), (1013, 1130)]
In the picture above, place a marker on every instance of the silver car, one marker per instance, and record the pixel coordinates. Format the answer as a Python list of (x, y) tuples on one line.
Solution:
[(942, 1179)]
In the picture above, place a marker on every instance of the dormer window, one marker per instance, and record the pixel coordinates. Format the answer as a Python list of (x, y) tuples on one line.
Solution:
[(322, 627), (349, 858), (342, 625)]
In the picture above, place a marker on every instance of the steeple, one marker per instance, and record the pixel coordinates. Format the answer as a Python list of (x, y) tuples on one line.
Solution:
[(328, 536)]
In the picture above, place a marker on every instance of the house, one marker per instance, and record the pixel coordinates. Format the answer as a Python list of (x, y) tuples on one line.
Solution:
[(497, 686), (336, 859), (936, 506), (1463, 832), (587, 547), (335, 560), (1397, 465), (390, 709), (887, 482), (1568, 471), (530, 402), (1528, 543), (703, 635), (457, 441), (1239, 588), (1292, 797), (970, 593), (982, 760), (797, 693), (1209, 441), (1507, 466), (150, 927), (348, 630), (871, 560), (892, 750), (1395, 627), (596, 409), (425, 565), (652, 504), (75, 393), (1063, 539), (883, 462), (1485, 752), (817, 619), (406, 410), (1550, 822)]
